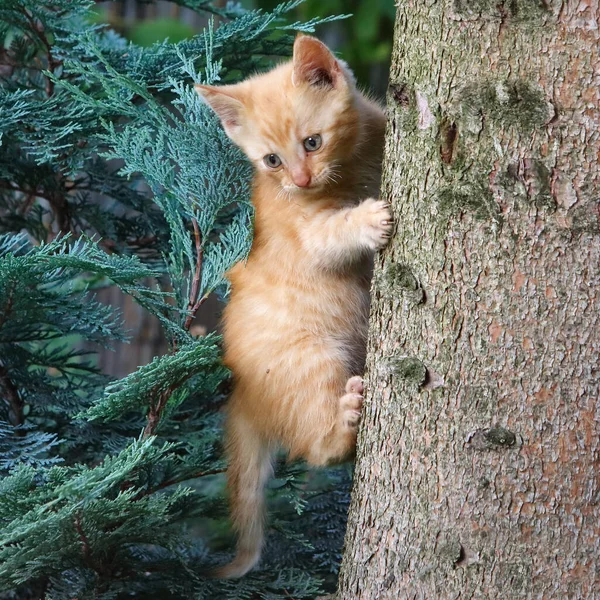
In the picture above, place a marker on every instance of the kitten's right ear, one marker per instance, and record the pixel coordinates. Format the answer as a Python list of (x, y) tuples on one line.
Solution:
[(223, 100)]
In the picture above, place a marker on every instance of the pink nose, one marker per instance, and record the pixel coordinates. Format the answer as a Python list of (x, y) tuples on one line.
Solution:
[(301, 178)]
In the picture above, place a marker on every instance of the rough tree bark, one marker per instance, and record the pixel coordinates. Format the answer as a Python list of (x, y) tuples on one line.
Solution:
[(478, 459)]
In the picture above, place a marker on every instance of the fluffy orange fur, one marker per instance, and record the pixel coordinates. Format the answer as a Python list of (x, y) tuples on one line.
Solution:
[(296, 323)]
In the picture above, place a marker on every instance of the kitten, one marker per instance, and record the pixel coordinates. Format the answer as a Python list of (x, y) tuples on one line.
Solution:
[(296, 324)]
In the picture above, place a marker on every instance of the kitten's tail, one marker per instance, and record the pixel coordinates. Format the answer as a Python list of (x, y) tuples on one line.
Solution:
[(248, 471)]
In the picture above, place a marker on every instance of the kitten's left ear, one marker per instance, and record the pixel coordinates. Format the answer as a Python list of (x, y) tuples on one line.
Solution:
[(314, 63), (222, 99)]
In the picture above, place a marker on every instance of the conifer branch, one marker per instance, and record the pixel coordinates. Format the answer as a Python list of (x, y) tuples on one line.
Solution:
[(60, 473)]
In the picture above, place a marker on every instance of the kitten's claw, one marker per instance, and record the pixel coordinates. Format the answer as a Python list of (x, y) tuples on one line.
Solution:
[(378, 223)]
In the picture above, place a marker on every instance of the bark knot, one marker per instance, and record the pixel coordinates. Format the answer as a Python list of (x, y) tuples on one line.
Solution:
[(494, 438), (449, 138), (398, 278), (401, 94)]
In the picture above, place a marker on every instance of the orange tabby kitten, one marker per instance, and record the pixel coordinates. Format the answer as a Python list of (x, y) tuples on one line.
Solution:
[(296, 323)]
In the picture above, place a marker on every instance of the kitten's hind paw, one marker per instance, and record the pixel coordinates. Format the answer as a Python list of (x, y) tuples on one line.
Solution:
[(350, 406), (355, 385)]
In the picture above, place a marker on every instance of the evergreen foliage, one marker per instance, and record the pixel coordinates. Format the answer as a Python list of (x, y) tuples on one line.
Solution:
[(114, 173)]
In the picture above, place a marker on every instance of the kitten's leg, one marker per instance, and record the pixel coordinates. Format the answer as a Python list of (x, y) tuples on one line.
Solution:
[(340, 442), (336, 237)]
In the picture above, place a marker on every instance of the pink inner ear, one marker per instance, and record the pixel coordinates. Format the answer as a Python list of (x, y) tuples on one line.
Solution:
[(227, 107), (314, 63), (228, 113)]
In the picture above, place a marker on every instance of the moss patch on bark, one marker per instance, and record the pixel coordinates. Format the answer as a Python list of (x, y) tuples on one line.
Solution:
[(504, 104), (471, 197)]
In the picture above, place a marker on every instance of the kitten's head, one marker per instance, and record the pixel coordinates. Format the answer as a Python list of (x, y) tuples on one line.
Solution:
[(297, 123)]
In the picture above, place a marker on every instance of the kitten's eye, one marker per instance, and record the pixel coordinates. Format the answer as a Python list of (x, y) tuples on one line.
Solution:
[(272, 161), (312, 143)]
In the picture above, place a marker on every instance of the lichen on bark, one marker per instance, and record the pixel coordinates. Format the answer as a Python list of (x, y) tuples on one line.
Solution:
[(518, 10)]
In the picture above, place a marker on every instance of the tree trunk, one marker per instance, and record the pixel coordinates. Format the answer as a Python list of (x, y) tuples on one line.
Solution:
[(478, 458)]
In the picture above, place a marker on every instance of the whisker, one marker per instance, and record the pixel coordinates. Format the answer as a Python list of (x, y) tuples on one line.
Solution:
[(285, 191)]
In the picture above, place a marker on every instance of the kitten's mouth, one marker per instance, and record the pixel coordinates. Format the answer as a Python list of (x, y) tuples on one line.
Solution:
[(297, 189), (323, 179)]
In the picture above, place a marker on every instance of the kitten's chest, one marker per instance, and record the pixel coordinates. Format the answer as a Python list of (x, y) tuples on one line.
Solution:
[(284, 295)]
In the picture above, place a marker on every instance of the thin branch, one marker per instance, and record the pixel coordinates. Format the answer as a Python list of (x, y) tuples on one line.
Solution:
[(194, 302), (86, 548), (85, 544), (61, 210), (156, 410), (16, 188), (26, 207), (146, 241), (44, 588), (9, 305), (14, 401), (57, 202), (53, 63), (198, 475)]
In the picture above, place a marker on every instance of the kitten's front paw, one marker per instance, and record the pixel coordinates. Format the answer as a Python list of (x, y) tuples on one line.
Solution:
[(377, 224)]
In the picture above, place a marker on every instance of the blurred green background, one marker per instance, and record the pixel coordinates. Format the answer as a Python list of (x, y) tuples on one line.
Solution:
[(364, 40)]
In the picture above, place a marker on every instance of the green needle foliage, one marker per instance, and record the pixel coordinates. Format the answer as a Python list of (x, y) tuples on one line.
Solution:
[(114, 173)]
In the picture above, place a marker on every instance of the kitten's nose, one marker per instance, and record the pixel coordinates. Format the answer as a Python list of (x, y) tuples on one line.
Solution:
[(301, 177)]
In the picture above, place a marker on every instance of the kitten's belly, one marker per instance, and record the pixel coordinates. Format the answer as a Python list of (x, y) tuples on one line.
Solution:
[(287, 327)]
